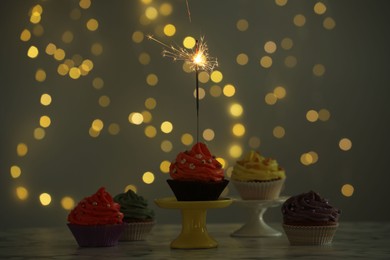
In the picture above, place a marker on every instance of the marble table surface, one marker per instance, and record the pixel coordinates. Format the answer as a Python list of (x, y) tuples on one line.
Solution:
[(363, 240)]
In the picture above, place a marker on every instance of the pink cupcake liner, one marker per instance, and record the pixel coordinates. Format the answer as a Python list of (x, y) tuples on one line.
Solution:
[(97, 235), (253, 190), (136, 231), (310, 235)]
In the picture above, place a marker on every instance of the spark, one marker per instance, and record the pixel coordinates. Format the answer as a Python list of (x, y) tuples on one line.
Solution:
[(197, 58)]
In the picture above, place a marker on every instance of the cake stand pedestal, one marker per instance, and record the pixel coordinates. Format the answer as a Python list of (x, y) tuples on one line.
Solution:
[(194, 233), (255, 225)]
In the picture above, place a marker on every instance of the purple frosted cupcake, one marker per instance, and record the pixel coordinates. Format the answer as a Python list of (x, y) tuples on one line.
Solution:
[(96, 221), (309, 219)]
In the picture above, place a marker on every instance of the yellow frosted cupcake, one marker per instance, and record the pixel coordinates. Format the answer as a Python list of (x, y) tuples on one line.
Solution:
[(258, 178)]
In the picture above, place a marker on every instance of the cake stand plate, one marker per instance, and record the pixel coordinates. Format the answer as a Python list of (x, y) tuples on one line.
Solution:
[(194, 233), (255, 225)]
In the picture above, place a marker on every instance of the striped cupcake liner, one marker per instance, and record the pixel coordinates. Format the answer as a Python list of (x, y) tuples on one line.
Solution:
[(136, 231), (310, 235), (252, 190)]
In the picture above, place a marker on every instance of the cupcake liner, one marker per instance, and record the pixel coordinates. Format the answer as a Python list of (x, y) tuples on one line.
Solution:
[(310, 235), (259, 190), (136, 231), (197, 191), (96, 235)]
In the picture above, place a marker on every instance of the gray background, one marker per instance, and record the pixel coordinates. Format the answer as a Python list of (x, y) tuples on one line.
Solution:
[(68, 162)]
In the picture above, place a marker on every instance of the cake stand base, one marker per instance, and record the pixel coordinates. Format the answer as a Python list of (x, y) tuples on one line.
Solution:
[(194, 233), (255, 225)]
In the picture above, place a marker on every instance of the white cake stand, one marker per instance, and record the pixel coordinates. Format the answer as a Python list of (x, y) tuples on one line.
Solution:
[(255, 226)]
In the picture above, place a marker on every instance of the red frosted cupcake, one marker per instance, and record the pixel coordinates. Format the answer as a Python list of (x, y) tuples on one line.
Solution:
[(309, 219), (96, 221), (196, 175)]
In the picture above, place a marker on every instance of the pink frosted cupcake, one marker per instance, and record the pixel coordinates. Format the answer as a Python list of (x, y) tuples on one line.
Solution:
[(96, 221), (196, 175), (258, 178), (309, 219)]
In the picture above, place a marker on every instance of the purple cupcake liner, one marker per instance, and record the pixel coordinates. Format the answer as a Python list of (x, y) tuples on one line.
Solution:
[(96, 235)]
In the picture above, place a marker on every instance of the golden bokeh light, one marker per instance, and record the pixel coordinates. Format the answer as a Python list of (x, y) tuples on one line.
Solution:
[(216, 76), (319, 8), (150, 103), (266, 62), (25, 35), (166, 127), (229, 90), (152, 79), (93, 133), (96, 49), (39, 133), (151, 13), (208, 134), (280, 92), (270, 99), (324, 115), (147, 116), (165, 9), (74, 73), (187, 139), (242, 25), (238, 130), (98, 83), (314, 156), (318, 70), (144, 58), (130, 187), (85, 4), (164, 166), (287, 43), (137, 36), (150, 131), (45, 99), (235, 151), (242, 59), (166, 146), (114, 129), (97, 125), (222, 161), (312, 115), (169, 30), (229, 172), (92, 24), (270, 47), (67, 37), (45, 199), (67, 203), (40, 75), (254, 142), (236, 110), (203, 77), (32, 52), (279, 132), (201, 93), (15, 171), (59, 54), (189, 42), (329, 23), (136, 118), (63, 69), (290, 61), (21, 193), (215, 91), (104, 101), (347, 190), (148, 177), (281, 2), (299, 20), (21, 149), (345, 144), (306, 159)]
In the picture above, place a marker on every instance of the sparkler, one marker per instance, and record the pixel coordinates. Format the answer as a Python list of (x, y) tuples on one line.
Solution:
[(197, 58)]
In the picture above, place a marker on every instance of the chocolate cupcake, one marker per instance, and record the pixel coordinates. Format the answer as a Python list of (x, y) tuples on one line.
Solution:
[(309, 219)]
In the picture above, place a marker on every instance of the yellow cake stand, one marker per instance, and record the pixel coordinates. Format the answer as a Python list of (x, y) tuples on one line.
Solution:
[(194, 233)]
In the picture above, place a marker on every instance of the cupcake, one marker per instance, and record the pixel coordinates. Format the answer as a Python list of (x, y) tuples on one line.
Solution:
[(258, 178), (308, 219), (196, 175), (96, 221), (138, 218)]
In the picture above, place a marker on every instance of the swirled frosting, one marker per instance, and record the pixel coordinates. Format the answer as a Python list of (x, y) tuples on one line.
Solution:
[(309, 209), (98, 209), (254, 167), (133, 206), (196, 165)]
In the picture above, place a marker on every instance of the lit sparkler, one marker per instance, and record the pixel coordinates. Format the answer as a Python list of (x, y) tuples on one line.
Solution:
[(198, 58)]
